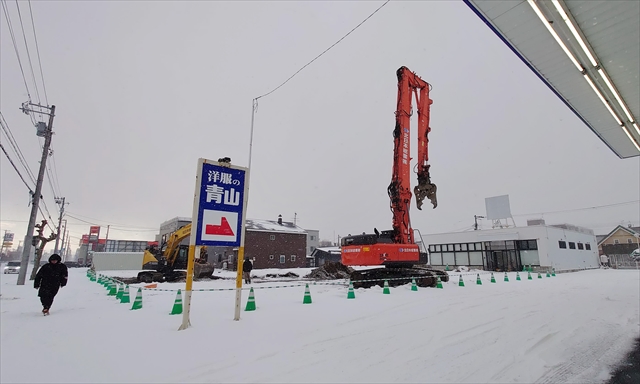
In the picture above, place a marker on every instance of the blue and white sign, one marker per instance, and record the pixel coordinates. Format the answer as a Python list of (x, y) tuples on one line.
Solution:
[(220, 201)]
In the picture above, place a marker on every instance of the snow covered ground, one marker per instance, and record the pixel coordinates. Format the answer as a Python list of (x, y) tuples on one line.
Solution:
[(568, 328)]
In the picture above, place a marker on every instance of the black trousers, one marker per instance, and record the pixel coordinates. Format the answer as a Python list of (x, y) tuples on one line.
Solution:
[(47, 300)]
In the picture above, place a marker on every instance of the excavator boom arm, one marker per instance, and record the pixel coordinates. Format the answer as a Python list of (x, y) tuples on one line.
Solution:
[(399, 190)]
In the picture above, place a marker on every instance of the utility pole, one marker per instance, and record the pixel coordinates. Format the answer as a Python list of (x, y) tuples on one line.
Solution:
[(61, 202), (62, 230), (28, 238), (106, 240), (475, 218)]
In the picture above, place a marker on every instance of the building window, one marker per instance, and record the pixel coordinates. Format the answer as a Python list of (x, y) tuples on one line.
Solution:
[(572, 245), (580, 246), (587, 246), (293, 258), (313, 249), (272, 237), (282, 259), (630, 241), (270, 257), (616, 241), (438, 249), (562, 244)]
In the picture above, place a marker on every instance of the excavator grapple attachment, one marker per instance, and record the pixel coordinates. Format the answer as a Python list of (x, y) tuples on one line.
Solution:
[(425, 189)]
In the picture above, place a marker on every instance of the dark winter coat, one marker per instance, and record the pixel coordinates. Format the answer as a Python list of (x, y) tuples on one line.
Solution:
[(51, 277), (247, 266)]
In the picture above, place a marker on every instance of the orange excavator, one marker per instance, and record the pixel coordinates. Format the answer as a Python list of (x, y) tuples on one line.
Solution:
[(396, 249)]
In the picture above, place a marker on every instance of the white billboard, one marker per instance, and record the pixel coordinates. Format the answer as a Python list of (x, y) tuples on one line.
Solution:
[(498, 207)]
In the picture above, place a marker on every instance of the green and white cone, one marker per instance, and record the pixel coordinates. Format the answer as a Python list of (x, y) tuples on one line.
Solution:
[(460, 282), (414, 287), (251, 301), (307, 295), (493, 279), (112, 290), (548, 275), (438, 282), (351, 294), (386, 290), (446, 268), (478, 281), (177, 305), (518, 276), (120, 292), (529, 276), (539, 275), (137, 303), (553, 272), (506, 277), (125, 296)]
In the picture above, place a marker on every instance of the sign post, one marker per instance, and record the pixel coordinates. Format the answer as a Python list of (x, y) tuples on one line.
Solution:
[(218, 218)]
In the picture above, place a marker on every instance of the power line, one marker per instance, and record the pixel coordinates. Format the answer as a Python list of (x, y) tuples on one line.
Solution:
[(323, 52), (128, 229), (16, 147), (33, 76), (15, 45), (14, 167), (35, 37), (580, 209)]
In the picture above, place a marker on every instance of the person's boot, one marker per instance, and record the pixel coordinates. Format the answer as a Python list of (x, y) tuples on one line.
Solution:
[(45, 311)]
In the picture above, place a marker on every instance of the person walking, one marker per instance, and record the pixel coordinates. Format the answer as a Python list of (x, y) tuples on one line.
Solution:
[(49, 279), (247, 266)]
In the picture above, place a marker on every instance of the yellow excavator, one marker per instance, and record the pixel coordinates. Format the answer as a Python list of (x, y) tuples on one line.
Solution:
[(170, 261)]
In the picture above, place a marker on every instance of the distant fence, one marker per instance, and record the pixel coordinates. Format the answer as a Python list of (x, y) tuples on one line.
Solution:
[(622, 261)]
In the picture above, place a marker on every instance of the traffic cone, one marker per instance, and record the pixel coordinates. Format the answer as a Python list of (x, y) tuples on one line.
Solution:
[(446, 268), (553, 272), (351, 294), (119, 293), (530, 268), (177, 305), (506, 277), (548, 275), (493, 279), (518, 276), (137, 303), (307, 295), (125, 295), (414, 287), (539, 275), (112, 290), (529, 276), (92, 278), (460, 282), (438, 282), (478, 281), (99, 279), (386, 290), (524, 268)]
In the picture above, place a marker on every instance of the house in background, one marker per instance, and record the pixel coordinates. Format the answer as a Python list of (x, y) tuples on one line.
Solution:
[(618, 245), (275, 244), (325, 254)]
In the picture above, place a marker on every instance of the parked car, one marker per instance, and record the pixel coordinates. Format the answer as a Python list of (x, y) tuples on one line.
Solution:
[(12, 267)]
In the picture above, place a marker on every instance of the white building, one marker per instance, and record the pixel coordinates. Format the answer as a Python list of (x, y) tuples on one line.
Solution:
[(563, 247), (313, 240)]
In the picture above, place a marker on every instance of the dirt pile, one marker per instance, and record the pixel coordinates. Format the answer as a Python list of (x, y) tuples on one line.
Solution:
[(331, 271), (288, 274)]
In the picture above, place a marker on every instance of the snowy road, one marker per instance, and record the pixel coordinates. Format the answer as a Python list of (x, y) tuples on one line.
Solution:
[(569, 328)]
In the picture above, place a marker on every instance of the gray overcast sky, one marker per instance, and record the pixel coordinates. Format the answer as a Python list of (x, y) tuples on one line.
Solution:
[(143, 89)]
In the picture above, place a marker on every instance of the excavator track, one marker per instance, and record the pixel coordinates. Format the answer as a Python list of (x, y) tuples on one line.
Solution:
[(424, 276)]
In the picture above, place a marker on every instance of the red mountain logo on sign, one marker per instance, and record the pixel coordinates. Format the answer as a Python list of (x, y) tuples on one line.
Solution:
[(219, 226), (223, 229)]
